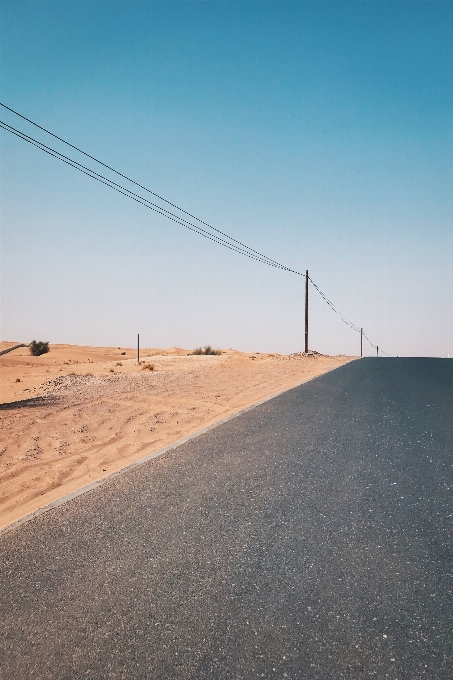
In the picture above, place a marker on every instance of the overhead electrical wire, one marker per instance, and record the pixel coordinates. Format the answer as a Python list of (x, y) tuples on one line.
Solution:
[(144, 201), (334, 309), (376, 347), (218, 237), (134, 182)]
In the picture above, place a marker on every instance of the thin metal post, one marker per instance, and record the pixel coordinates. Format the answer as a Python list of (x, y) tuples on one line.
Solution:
[(306, 311), (361, 342), (138, 348), (377, 351)]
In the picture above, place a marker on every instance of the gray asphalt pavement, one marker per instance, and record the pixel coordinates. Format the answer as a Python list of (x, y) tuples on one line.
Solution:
[(310, 537)]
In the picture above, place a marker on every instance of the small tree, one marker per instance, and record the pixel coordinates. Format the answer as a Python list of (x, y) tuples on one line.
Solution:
[(38, 348)]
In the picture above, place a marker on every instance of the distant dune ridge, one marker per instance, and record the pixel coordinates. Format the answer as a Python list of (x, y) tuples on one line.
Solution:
[(77, 414)]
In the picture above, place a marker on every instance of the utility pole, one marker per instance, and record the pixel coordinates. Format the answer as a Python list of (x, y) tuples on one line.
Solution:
[(138, 348), (377, 351), (306, 311), (361, 342)]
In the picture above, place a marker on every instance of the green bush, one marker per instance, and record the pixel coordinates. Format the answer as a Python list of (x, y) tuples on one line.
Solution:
[(207, 350), (38, 348)]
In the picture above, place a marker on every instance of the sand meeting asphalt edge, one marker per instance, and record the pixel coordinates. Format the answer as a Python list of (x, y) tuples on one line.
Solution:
[(156, 454)]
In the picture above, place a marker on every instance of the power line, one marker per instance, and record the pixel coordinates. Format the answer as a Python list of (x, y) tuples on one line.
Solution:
[(248, 252), (375, 346), (343, 318), (334, 309), (231, 243), (136, 183)]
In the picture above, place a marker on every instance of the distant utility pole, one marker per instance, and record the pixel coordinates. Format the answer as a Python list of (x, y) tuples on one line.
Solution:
[(377, 351), (361, 342), (138, 348), (306, 311)]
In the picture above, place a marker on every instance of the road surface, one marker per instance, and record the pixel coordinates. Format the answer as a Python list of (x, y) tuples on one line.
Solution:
[(310, 537)]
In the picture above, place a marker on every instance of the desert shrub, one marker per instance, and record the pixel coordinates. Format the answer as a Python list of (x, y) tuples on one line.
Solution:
[(207, 350), (38, 348), (148, 367), (123, 353)]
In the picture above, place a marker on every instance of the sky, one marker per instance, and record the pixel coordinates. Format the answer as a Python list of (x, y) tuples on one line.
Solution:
[(318, 133)]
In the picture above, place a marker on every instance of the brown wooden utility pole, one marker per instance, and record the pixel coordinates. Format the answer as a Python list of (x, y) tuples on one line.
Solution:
[(361, 342), (138, 348), (306, 311), (377, 351)]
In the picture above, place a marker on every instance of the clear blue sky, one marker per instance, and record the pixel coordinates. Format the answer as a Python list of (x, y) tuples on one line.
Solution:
[(320, 133)]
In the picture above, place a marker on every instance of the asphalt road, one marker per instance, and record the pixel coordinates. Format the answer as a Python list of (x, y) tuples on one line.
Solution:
[(308, 538)]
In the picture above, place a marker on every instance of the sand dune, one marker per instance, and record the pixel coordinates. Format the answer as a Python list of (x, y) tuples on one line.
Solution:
[(77, 414)]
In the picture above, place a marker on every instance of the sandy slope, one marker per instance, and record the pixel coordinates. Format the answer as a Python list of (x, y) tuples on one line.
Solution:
[(77, 415)]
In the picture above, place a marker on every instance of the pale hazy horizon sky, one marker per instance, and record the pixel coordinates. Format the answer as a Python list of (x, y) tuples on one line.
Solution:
[(319, 133)]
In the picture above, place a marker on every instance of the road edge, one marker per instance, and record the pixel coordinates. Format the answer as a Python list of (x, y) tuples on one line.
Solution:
[(156, 454)]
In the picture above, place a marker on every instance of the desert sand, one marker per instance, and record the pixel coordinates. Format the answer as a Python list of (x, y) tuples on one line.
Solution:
[(77, 414)]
